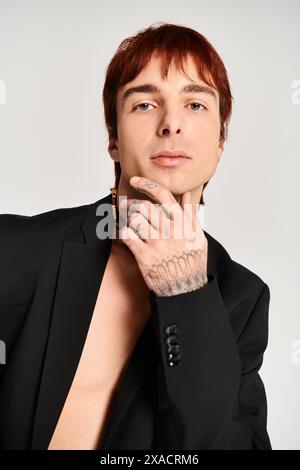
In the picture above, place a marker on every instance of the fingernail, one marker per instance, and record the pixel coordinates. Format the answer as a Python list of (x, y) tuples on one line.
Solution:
[(134, 179)]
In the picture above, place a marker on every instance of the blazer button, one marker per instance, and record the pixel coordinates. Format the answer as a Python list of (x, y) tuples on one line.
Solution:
[(172, 340), (171, 329), (174, 360), (173, 348), (173, 357)]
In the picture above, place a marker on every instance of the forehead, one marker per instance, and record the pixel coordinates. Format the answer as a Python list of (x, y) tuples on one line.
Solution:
[(154, 67), (152, 73)]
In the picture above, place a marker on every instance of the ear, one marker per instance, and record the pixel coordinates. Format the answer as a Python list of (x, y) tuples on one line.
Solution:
[(113, 147), (221, 149)]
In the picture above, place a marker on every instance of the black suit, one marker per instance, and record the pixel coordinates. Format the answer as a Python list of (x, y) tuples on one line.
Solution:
[(209, 396)]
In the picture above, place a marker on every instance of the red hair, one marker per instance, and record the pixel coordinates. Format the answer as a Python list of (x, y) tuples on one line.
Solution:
[(170, 41)]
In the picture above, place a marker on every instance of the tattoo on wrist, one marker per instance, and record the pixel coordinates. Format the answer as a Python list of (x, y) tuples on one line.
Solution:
[(182, 273)]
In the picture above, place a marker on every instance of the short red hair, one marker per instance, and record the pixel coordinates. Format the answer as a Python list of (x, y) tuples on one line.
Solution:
[(170, 41)]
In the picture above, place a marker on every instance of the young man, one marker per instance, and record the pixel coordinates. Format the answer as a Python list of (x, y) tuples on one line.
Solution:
[(137, 341)]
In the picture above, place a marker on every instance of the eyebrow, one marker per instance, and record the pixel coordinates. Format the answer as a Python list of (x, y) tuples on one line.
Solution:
[(150, 88)]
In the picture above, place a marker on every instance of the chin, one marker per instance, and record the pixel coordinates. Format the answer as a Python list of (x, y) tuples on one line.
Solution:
[(166, 182)]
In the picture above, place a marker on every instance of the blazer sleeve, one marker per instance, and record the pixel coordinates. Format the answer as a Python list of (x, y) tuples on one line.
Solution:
[(210, 394)]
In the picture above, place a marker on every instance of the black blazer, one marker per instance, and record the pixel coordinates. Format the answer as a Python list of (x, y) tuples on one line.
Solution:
[(208, 395)]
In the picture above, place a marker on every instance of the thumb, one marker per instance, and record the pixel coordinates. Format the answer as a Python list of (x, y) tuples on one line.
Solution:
[(190, 210)]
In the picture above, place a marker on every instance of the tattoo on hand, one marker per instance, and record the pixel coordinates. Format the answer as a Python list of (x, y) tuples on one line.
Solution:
[(179, 274), (150, 184)]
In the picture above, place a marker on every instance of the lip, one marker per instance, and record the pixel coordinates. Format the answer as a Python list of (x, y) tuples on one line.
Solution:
[(171, 154), (170, 161)]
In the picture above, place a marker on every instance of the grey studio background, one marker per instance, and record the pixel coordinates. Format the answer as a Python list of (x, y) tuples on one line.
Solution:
[(53, 142)]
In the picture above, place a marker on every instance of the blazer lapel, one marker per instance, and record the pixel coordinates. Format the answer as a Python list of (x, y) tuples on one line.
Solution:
[(80, 275)]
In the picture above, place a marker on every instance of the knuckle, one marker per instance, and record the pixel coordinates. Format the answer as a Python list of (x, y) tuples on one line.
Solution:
[(132, 219), (146, 204), (161, 192)]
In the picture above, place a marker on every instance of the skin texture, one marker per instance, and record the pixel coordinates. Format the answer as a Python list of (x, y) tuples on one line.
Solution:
[(148, 123)]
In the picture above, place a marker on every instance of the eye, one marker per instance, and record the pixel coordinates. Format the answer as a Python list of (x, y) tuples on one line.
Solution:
[(199, 104), (148, 104), (141, 104)]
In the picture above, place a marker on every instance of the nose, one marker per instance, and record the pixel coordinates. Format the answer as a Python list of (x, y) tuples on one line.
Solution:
[(166, 130), (169, 123)]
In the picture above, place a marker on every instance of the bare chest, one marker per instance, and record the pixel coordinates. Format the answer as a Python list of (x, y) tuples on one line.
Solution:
[(120, 313)]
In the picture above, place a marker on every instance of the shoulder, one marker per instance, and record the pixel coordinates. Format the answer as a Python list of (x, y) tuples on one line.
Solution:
[(244, 293), (234, 278), (26, 239), (56, 220), (30, 250)]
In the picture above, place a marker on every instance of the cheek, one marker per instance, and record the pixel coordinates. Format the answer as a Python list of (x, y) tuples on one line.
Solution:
[(207, 144), (207, 151), (127, 132), (208, 137), (209, 127), (133, 138), (128, 145)]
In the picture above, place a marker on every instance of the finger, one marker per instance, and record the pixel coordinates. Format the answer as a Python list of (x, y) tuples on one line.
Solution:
[(152, 212), (185, 199), (158, 193), (190, 209), (142, 227), (132, 240)]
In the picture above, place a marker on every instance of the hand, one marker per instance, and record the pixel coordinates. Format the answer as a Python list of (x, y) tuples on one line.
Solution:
[(171, 265)]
